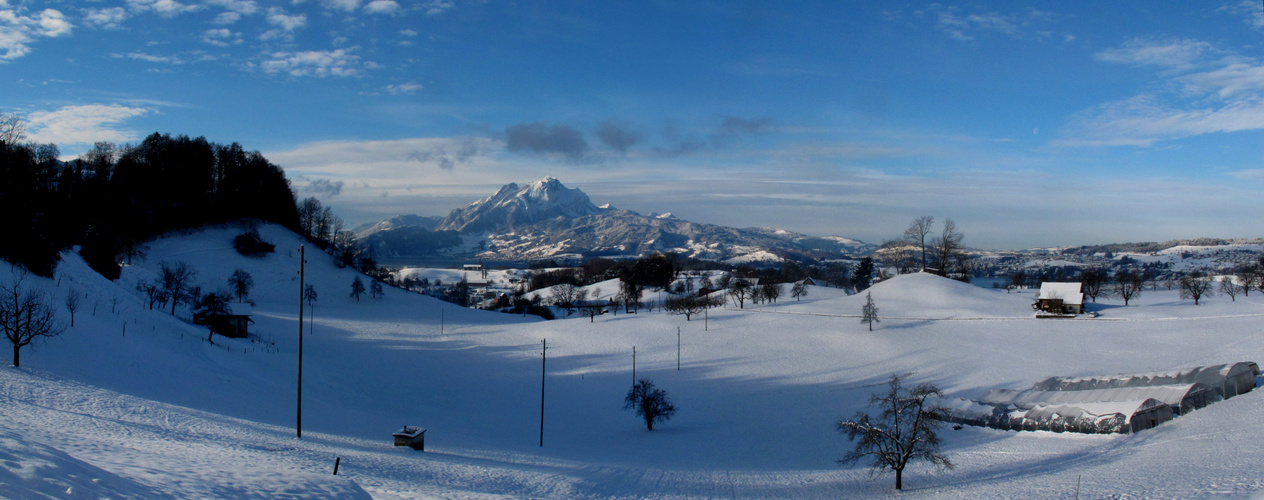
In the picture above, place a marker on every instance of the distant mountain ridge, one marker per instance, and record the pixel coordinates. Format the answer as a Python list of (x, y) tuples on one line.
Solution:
[(546, 220)]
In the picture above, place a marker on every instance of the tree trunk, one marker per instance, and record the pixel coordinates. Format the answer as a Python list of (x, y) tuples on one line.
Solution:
[(15, 355), (899, 479)]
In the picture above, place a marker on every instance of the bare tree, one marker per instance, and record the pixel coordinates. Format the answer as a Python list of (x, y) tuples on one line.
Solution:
[(907, 429), (1194, 286), (771, 291), (357, 288), (1128, 284), (566, 295), (1250, 276), (177, 282), (740, 290), (917, 232), (869, 314), (798, 290), (241, 282), (1228, 287), (1091, 281), (629, 295), (12, 128), (73, 298), (649, 402), (26, 316), (687, 305), (948, 247)]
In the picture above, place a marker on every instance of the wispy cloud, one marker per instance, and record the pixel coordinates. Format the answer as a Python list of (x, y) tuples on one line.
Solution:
[(1174, 54), (82, 125), (1252, 12), (1200, 90)]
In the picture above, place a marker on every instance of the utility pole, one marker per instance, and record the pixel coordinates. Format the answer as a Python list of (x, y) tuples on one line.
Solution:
[(633, 366), (544, 353), (706, 319), (678, 348), (302, 259)]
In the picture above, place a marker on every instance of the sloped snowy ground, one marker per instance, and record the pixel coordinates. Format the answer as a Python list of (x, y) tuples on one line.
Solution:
[(158, 411)]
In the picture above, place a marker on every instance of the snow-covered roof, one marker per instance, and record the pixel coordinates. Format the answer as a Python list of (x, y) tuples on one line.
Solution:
[(1068, 292), (409, 431), (1213, 376), (1171, 395)]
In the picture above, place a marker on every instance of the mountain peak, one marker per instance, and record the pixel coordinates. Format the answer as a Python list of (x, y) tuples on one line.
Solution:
[(515, 205)]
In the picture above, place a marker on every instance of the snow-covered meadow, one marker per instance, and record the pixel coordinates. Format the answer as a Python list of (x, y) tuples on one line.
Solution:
[(136, 404)]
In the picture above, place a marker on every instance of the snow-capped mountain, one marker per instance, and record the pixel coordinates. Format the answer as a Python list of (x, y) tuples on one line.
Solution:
[(513, 207), (545, 219)]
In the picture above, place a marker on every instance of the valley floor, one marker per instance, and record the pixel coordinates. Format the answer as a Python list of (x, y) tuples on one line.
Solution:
[(136, 404)]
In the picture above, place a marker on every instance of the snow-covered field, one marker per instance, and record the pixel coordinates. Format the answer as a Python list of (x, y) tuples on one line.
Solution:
[(136, 404)]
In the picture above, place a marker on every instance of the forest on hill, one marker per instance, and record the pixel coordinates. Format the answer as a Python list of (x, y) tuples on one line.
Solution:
[(114, 197)]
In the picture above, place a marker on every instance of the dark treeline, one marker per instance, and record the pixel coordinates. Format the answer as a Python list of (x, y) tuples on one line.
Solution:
[(115, 197), (659, 270)]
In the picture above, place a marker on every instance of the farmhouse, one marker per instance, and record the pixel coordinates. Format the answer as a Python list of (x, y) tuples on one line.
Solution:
[(1060, 298)]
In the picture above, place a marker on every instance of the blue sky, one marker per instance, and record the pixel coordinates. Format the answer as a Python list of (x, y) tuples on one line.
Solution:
[(1045, 124)]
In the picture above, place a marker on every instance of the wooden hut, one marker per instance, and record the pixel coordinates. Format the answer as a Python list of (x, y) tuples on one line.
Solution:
[(412, 437)]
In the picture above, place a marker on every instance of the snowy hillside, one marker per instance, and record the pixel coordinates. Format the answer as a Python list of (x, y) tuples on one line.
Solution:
[(158, 412)]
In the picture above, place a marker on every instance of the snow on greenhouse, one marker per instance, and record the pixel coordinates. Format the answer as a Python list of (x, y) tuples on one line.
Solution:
[(1229, 379), (1114, 404)]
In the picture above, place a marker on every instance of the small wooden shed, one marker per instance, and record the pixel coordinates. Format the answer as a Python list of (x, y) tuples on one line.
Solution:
[(412, 437)]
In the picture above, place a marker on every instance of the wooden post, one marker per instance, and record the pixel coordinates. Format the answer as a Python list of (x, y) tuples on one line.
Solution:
[(298, 423), (337, 461), (633, 366), (678, 348)]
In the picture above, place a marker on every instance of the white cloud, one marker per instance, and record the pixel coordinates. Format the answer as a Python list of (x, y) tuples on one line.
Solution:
[(221, 37), (82, 125), (246, 7), (345, 5), (281, 20), (227, 18), (108, 18), (18, 31), (165, 8), (437, 7), (388, 7), (408, 32), (313, 63), (285, 24), (403, 88)]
